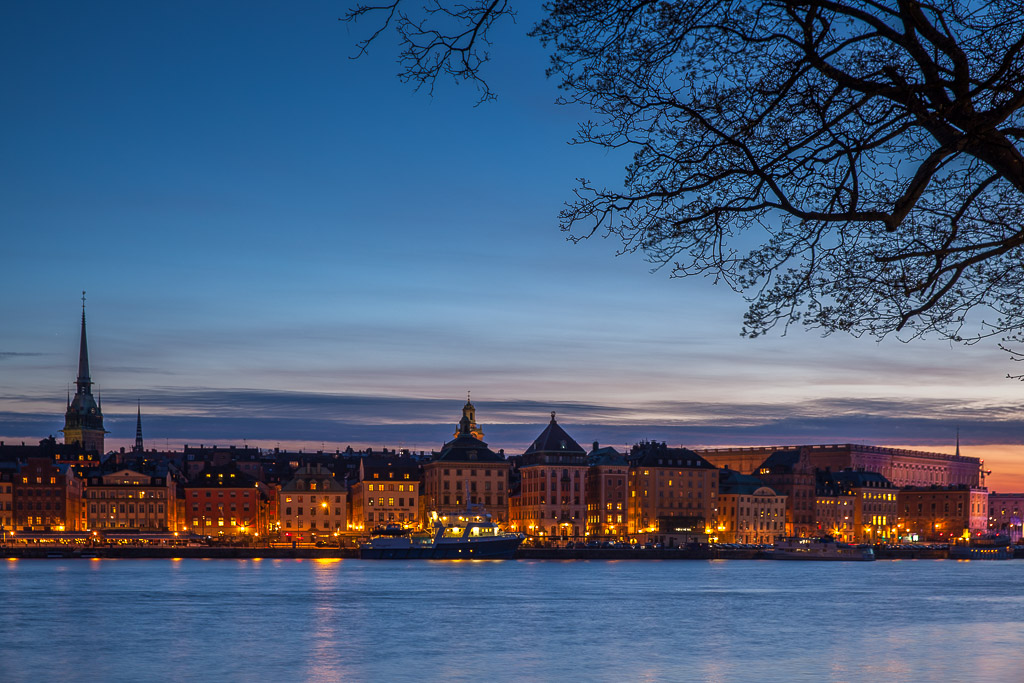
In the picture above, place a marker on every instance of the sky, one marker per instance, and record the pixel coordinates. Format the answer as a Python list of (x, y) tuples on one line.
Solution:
[(285, 246)]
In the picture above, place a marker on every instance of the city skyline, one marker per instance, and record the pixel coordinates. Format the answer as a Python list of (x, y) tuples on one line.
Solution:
[(279, 240)]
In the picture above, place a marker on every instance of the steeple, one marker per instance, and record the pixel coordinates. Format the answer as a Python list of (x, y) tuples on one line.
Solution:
[(469, 413), (84, 382), (83, 419), (138, 431), (958, 442)]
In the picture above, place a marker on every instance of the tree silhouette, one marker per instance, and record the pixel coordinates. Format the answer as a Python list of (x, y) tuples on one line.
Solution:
[(850, 165)]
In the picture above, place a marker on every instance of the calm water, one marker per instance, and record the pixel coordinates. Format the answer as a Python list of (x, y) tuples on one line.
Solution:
[(121, 620)]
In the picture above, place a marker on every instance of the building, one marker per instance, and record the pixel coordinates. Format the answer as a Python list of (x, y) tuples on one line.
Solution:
[(790, 474), (606, 489), (1006, 513), (871, 516), (670, 488), (748, 511), (224, 501), (7, 473), (313, 505), (552, 499), (47, 496), (387, 491), (466, 473), (131, 499), (901, 467), (83, 419), (942, 513)]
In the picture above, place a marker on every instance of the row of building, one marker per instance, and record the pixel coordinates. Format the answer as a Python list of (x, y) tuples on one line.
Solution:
[(554, 491)]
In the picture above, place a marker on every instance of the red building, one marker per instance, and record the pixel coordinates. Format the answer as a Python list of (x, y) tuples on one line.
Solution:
[(224, 501), (47, 497)]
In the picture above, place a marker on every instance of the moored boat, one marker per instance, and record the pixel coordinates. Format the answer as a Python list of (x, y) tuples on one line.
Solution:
[(987, 547), (468, 537), (825, 548)]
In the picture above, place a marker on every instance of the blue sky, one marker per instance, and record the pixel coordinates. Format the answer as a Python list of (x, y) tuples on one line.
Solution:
[(281, 244)]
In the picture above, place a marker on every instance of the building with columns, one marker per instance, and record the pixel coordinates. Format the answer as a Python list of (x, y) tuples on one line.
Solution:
[(902, 467)]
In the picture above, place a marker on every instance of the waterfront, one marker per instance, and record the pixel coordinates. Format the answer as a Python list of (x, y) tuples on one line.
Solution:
[(120, 620)]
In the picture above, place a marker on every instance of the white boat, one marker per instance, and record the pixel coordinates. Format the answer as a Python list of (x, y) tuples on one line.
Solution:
[(988, 547), (825, 548), (466, 537)]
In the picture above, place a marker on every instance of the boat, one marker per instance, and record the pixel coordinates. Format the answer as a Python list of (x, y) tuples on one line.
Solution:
[(824, 548), (466, 537), (986, 547)]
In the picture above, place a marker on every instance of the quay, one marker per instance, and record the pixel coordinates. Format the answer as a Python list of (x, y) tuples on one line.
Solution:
[(314, 553)]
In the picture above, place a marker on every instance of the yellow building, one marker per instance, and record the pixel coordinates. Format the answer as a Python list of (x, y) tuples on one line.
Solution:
[(670, 483), (387, 492), (129, 499), (312, 506), (466, 473), (748, 511)]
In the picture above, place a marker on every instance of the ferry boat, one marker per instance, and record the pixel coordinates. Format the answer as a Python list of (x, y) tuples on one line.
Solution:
[(824, 548), (467, 537), (987, 547)]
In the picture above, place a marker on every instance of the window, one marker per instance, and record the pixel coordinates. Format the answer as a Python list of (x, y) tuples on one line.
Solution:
[(391, 502)]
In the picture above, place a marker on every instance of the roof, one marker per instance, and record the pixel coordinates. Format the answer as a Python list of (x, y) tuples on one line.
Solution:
[(467, 448), (554, 439), (606, 456), (732, 482), (653, 454), (786, 461), (225, 476), (841, 483)]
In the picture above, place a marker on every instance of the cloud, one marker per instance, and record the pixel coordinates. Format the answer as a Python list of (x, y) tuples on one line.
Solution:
[(7, 355)]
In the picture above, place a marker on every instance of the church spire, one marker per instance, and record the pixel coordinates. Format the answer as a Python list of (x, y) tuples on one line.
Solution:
[(138, 431), (84, 382), (958, 442)]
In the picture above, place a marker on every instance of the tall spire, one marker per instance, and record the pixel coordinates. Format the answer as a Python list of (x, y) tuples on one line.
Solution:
[(84, 382), (958, 442), (138, 431)]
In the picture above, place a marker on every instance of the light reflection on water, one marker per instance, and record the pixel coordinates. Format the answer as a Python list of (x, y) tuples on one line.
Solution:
[(127, 620)]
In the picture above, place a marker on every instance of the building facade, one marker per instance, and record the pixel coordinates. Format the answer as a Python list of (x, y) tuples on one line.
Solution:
[(606, 494), (47, 497), (129, 499), (789, 473), (942, 513), (873, 513), (1006, 514), (224, 501), (466, 475), (551, 504), (386, 492), (901, 467), (668, 484), (748, 511), (312, 506)]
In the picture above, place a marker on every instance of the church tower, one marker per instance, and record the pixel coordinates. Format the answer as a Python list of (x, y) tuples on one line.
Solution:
[(83, 421), (469, 413), (139, 447)]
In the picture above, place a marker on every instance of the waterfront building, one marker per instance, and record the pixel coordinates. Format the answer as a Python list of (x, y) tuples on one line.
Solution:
[(47, 496), (901, 467), (224, 501), (872, 514), (552, 501), (312, 505), (942, 513), (466, 473), (748, 511), (387, 491), (790, 474), (130, 499), (606, 488), (669, 488), (1006, 513), (83, 419), (7, 473)]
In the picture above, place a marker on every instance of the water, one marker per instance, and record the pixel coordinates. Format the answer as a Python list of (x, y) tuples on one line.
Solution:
[(238, 620)]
